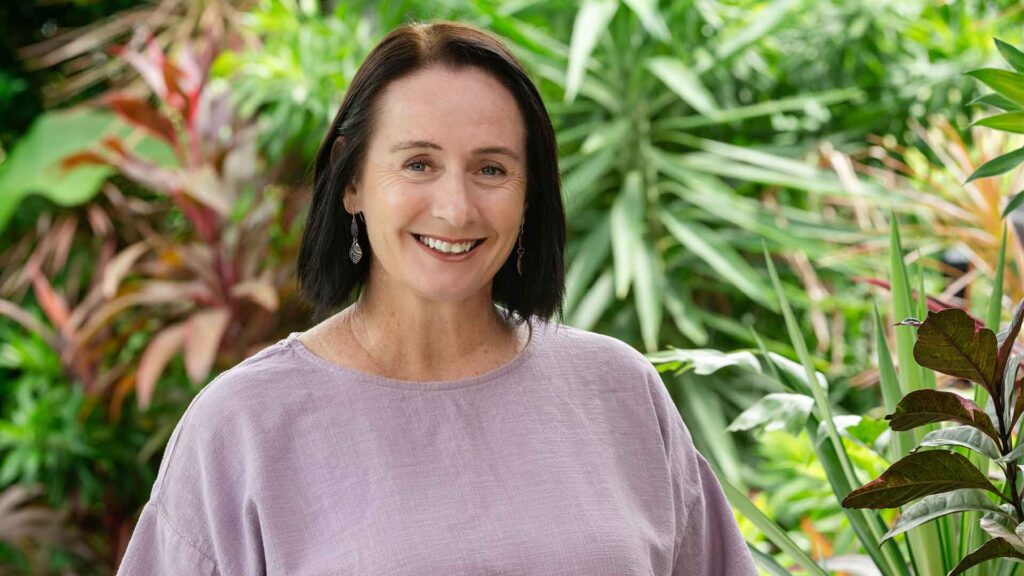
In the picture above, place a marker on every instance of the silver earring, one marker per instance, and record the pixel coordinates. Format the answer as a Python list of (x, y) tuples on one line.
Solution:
[(355, 252)]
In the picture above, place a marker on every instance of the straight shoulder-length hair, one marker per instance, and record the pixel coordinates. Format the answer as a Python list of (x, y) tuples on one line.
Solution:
[(327, 277)]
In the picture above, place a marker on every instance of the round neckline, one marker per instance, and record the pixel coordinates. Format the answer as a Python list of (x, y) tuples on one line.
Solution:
[(293, 342)]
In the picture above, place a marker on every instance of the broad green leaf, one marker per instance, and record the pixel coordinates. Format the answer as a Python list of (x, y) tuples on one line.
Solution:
[(594, 304), (775, 411), (1009, 84), (951, 342), (1007, 122), (1013, 204), (681, 308), (716, 253), (650, 18), (591, 23), (996, 100), (608, 134), (588, 262), (761, 23), (582, 184), (866, 431), (32, 165), (648, 283), (1002, 524), (995, 548), (627, 231), (1013, 456), (917, 475), (922, 407), (965, 436), (1013, 56), (704, 361), (936, 505), (684, 82), (793, 376), (998, 165), (735, 114)]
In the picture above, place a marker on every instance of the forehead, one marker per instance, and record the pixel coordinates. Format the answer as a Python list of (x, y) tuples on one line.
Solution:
[(466, 106)]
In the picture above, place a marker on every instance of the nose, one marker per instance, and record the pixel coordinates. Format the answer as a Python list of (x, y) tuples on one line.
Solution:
[(453, 201)]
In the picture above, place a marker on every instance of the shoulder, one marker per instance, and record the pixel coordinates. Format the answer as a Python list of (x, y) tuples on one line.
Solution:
[(216, 425), (594, 351)]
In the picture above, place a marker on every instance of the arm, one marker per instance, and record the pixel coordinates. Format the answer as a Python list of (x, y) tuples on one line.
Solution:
[(707, 541), (199, 519)]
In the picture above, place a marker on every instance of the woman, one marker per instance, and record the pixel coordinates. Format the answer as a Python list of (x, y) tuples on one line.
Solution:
[(441, 424)]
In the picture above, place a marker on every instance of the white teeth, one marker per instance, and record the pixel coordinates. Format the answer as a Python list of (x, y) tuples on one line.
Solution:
[(446, 247)]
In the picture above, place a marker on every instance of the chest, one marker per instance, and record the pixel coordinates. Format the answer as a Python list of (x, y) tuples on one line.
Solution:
[(456, 498)]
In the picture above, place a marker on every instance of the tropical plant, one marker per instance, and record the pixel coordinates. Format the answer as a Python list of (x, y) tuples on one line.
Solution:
[(222, 276)]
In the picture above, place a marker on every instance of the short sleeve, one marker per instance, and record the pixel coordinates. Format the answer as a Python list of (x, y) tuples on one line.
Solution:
[(200, 518), (707, 539), (157, 548)]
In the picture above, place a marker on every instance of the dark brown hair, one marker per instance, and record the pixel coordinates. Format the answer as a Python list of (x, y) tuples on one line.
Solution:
[(327, 278)]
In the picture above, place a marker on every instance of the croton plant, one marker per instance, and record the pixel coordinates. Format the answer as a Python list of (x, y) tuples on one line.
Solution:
[(952, 342)]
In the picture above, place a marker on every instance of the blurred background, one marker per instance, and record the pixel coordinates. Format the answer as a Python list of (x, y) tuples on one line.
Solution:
[(154, 176)]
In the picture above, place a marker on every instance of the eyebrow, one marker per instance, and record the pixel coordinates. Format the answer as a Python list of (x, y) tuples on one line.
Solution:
[(407, 144)]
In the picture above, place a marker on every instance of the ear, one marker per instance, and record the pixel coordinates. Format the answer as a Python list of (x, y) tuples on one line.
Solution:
[(353, 201)]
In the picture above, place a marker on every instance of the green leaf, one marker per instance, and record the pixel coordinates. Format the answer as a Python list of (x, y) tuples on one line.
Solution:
[(1007, 122), (704, 361), (937, 505), (1009, 84), (589, 260), (996, 100), (772, 531), (965, 436), (582, 183), (684, 82), (995, 548), (594, 304), (1013, 204), (922, 407), (591, 23), (775, 411), (998, 165), (716, 253), (1013, 56), (916, 475), (650, 18), (953, 343), (32, 164), (682, 310), (648, 281), (627, 231)]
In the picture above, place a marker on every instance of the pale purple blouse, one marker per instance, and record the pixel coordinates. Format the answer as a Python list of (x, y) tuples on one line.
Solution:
[(571, 459)]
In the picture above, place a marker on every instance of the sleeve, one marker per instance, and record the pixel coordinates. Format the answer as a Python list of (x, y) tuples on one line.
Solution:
[(199, 519), (707, 539), (158, 548)]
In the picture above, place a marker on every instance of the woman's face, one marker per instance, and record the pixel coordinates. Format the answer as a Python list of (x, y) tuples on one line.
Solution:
[(447, 161)]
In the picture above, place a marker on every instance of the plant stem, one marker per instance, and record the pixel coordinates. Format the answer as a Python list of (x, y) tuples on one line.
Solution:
[(1010, 471)]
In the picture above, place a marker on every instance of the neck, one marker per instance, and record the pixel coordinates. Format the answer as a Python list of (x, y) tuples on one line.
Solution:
[(407, 335)]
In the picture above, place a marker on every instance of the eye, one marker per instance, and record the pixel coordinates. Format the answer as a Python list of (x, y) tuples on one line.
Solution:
[(498, 170), (417, 163)]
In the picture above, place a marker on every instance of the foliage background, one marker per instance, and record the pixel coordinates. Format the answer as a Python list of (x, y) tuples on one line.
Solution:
[(690, 133)]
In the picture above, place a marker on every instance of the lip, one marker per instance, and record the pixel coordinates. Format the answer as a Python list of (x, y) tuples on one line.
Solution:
[(448, 240), (447, 257)]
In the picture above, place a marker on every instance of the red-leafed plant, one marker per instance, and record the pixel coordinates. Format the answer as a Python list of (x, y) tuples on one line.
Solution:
[(219, 279)]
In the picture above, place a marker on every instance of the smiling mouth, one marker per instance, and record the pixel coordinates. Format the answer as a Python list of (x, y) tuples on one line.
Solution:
[(476, 243)]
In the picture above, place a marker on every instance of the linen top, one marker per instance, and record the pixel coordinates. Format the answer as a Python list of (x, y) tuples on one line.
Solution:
[(571, 459)]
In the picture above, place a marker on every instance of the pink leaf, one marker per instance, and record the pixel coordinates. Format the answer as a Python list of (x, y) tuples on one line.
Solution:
[(158, 353)]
